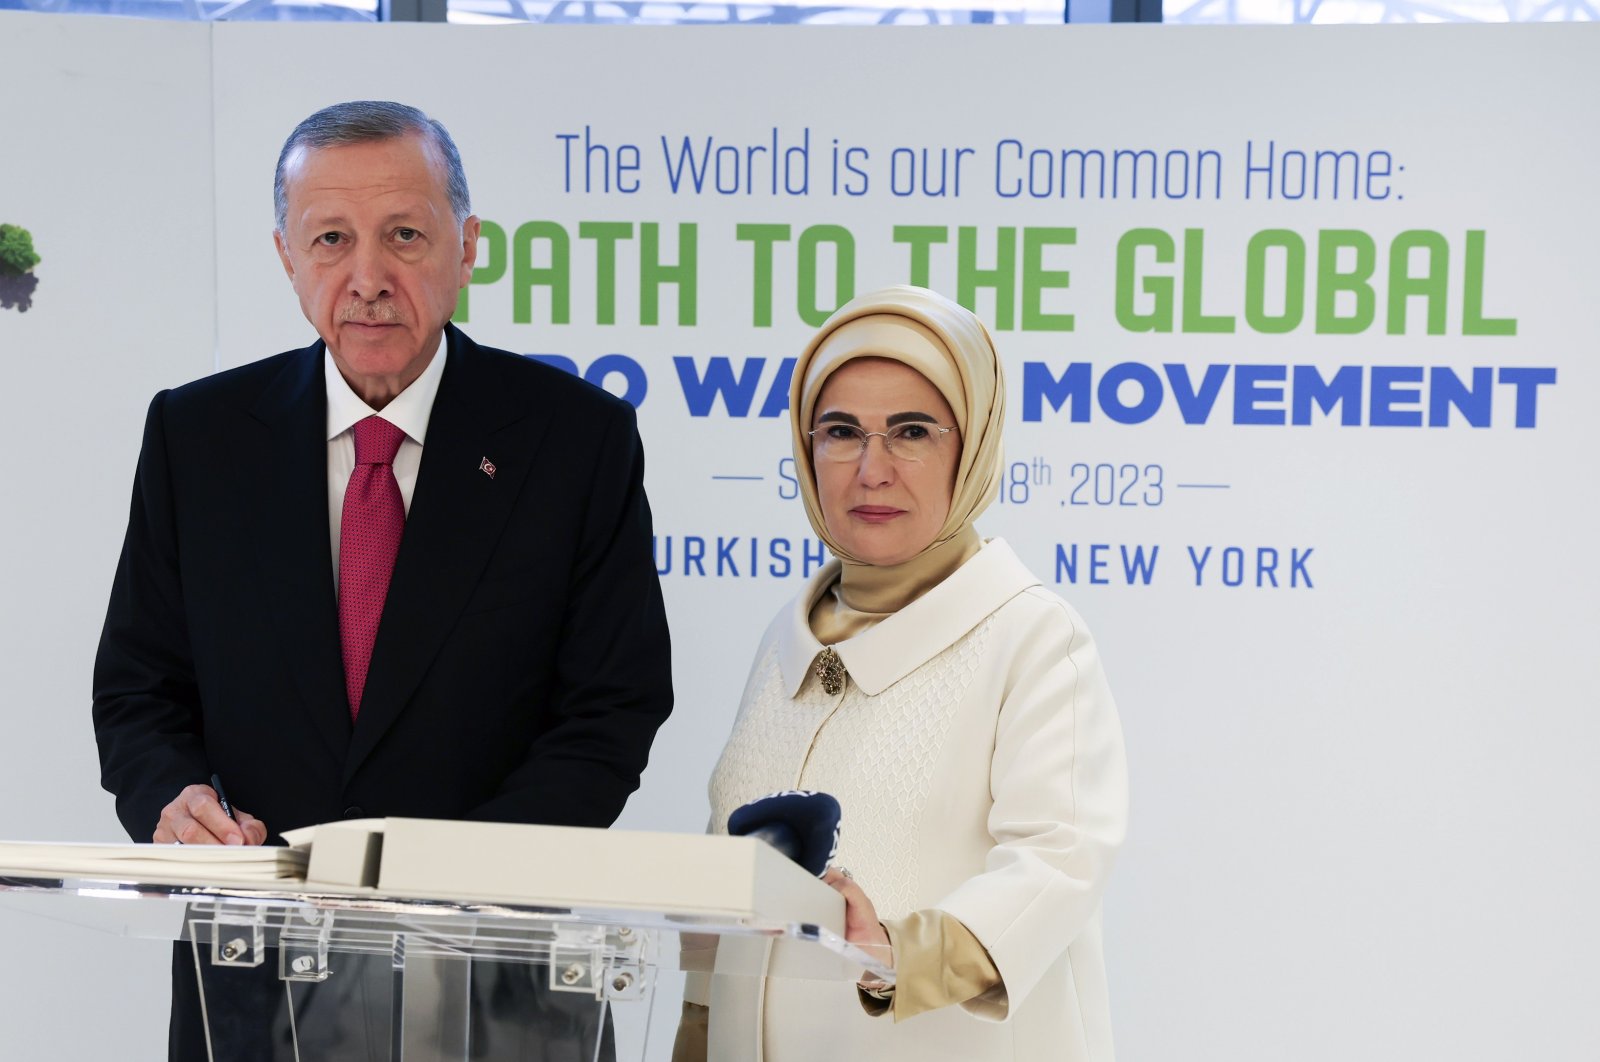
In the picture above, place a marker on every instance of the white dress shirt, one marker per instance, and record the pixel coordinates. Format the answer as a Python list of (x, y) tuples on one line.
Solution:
[(408, 411)]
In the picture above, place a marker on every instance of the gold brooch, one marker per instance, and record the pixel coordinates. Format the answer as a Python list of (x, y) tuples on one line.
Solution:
[(830, 669)]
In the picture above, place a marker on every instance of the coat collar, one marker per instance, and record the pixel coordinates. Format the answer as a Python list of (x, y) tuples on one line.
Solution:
[(884, 654)]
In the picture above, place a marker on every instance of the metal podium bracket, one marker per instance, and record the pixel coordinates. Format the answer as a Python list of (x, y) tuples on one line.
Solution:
[(592, 960), (576, 970), (626, 982), (577, 961), (303, 946), (628, 977), (238, 937)]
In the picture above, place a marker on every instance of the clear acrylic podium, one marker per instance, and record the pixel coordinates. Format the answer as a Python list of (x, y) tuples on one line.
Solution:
[(298, 972)]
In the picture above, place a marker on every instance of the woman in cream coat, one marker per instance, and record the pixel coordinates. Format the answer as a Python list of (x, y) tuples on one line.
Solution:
[(956, 708)]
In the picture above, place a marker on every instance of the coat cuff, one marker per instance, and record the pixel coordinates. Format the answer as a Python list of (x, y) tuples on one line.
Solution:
[(691, 1043), (937, 962)]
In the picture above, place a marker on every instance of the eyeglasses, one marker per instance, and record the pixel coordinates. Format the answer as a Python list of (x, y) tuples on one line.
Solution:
[(912, 443)]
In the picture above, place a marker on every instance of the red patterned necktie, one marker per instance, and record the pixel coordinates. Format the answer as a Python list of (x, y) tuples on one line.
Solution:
[(369, 538)]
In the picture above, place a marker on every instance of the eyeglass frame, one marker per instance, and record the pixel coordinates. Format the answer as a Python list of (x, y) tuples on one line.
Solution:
[(939, 430)]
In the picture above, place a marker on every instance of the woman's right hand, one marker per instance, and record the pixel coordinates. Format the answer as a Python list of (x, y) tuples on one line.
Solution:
[(861, 925)]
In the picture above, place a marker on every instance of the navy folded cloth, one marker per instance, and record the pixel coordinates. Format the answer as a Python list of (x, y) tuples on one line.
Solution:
[(802, 825)]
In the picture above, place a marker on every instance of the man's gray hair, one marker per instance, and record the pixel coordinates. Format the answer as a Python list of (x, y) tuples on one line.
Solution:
[(362, 121)]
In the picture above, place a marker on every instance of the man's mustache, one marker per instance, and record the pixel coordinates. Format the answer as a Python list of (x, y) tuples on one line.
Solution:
[(380, 312)]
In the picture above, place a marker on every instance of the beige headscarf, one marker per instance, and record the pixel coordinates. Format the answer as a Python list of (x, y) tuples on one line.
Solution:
[(948, 345)]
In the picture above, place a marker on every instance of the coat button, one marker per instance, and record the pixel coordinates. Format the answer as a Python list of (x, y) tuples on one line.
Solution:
[(354, 812)]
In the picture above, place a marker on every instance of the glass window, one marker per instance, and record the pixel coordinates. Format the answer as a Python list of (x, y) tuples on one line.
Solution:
[(1345, 11), (857, 12), (211, 10)]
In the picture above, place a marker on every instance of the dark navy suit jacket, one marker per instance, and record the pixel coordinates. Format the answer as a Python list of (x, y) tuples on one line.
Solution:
[(522, 663)]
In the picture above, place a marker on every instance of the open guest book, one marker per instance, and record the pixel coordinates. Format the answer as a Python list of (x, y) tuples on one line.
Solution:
[(690, 877), (174, 864)]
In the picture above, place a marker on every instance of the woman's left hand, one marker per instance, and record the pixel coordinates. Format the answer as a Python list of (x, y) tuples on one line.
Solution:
[(861, 925)]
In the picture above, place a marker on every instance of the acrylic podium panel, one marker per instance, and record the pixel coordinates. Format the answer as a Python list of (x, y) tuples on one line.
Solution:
[(308, 981), (296, 975)]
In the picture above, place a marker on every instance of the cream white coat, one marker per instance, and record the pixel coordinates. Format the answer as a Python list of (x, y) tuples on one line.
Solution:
[(978, 759)]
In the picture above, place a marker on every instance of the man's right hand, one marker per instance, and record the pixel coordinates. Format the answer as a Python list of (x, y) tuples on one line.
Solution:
[(196, 817)]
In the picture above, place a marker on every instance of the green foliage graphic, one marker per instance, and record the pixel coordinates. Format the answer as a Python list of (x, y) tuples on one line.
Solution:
[(16, 250)]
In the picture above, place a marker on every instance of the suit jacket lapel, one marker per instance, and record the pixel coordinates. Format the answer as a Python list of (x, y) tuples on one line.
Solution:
[(291, 495), (457, 514)]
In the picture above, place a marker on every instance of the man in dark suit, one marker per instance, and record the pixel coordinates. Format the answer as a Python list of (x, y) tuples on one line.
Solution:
[(462, 621)]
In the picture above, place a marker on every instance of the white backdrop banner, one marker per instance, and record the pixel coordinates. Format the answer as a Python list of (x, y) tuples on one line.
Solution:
[(1297, 331), (105, 160)]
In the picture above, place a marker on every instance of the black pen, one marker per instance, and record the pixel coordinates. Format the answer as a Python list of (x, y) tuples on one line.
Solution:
[(222, 798)]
